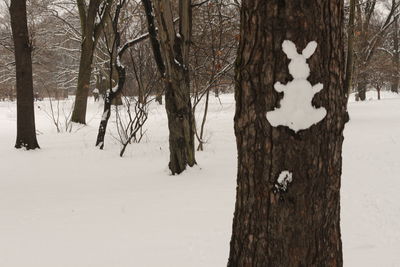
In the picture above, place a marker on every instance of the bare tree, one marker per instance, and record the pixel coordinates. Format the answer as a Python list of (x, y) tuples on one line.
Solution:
[(213, 54), (55, 41), (371, 33)]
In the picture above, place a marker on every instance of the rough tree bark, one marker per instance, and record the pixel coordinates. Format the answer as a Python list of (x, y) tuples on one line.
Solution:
[(175, 47), (90, 34), (26, 132), (299, 226)]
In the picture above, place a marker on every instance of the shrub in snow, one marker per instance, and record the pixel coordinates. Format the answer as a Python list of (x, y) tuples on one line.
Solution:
[(296, 111)]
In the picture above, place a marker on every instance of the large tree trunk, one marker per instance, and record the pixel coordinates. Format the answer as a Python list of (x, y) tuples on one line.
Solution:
[(298, 225), (85, 71), (175, 50), (26, 133)]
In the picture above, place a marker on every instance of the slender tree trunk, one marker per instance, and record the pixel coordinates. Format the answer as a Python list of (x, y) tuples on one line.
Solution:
[(26, 132), (120, 76), (155, 44), (113, 74), (396, 57), (203, 122), (82, 92), (109, 98), (362, 84), (378, 89), (350, 49), (299, 224)]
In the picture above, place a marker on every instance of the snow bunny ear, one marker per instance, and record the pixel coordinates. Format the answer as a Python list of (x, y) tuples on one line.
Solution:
[(310, 49), (290, 49)]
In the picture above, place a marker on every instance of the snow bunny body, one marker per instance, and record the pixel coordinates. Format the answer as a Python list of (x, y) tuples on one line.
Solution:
[(296, 111)]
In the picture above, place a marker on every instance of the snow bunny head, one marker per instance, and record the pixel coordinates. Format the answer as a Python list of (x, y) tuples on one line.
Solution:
[(298, 66)]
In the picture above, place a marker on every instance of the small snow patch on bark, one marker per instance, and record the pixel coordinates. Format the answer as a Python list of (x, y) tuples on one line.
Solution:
[(284, 179)]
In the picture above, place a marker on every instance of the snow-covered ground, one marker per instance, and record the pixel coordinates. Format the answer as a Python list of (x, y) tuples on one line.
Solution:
[(69, 204), (371, 183)]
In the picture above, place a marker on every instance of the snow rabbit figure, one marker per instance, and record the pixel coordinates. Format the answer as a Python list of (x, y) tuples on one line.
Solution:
[(296, 111)]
